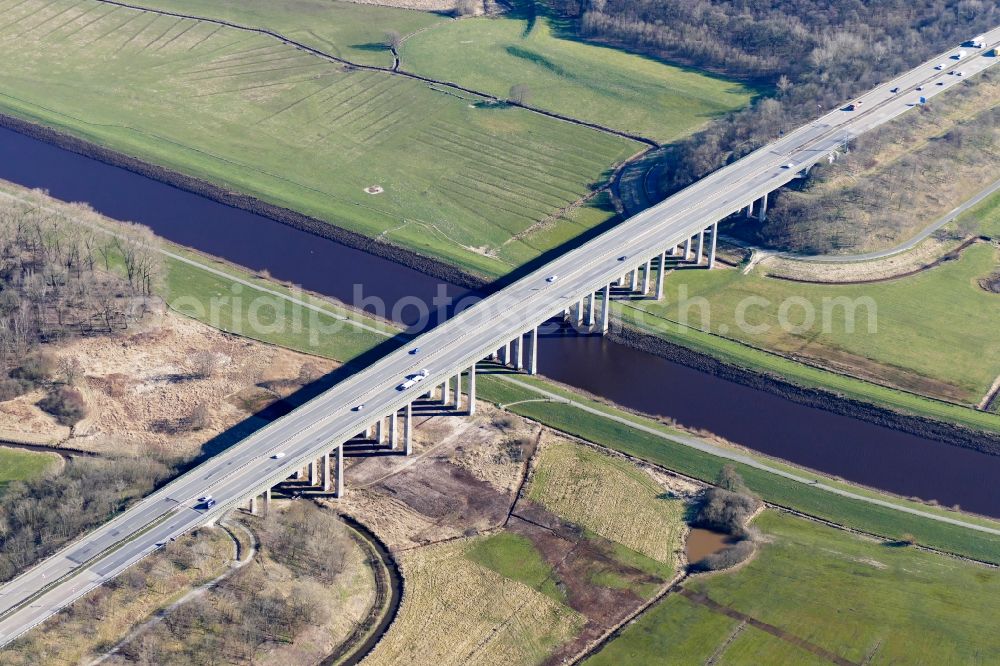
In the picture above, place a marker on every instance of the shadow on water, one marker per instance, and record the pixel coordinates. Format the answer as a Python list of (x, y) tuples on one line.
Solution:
[(855, 450)]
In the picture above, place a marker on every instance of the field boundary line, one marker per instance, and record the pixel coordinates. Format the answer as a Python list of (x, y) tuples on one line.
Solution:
[(393, 70), (745, 459)]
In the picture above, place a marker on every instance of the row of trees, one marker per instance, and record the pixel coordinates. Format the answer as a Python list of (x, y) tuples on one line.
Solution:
[(872, 196), (38, 517), (59, 277), (815, 53), (727, 508), (258, 606)]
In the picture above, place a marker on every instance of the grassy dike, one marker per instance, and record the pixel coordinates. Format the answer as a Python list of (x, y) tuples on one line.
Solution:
[(197, 278), (632, 440), (673, 455), (747, 356)]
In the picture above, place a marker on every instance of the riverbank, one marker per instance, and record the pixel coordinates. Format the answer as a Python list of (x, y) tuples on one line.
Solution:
[(821, 398), (312, 225), (564, 353)]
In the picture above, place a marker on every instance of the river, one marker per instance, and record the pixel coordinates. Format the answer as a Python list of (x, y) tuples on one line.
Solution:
[(855, 450)]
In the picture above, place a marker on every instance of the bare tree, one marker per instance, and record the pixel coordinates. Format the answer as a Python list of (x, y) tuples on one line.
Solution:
[(71, 370), (203, 364), (519, 94), (393, 40), (467, 7), (200, 417)]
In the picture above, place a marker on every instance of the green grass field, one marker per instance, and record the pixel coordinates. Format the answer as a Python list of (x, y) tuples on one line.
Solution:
[(258, 314), (804, 497), (467, 183), (346, 30), (934, 333), (602, 85), (986, 214), (20, 465), (611, 497), (865, 601), (515, 557)]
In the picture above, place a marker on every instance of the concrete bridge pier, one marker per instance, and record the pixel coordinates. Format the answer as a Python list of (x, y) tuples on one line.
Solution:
[(606, 309), (711, 250), (687, 249), (646, 276), (256, 505), (533, 367), (660, 274), (393, 429), (762, 216), (472, 388), (408, 430), (591, 310), (701, 248), (339, 489), (519, 357)]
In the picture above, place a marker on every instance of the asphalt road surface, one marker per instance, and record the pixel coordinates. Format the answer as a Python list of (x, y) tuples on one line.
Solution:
[(331, 418)]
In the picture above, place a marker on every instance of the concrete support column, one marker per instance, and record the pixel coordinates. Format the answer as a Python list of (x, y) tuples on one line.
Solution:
[(267, 501), (660, 274), (687, 249), (458, 390), (408, 430), (393, 430), (519, 358), (701, 247), (579, 313), (472, 390), (327, 476), (379, 438), (763, 209), (646, 276), (506, 354), (446, 391), (673, 251), (750, 210), (606, 309), (253, 505), (312, 473), (711, 250), (533, 370), (339, 487), (592, 310)]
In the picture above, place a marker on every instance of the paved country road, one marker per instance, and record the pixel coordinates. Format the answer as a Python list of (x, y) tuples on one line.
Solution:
[(986, 192)]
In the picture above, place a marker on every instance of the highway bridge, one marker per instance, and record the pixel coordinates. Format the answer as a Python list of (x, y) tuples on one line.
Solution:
[(632, 256)]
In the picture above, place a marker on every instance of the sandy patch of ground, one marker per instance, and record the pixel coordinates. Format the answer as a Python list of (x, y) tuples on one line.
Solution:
[(22, 421), (141, 388), (460, 480)]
